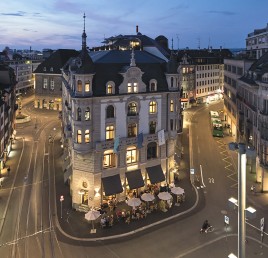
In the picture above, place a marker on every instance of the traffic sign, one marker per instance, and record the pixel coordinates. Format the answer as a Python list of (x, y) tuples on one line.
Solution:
[(62, 198), (226, 219), (192, 171), (262, 223)]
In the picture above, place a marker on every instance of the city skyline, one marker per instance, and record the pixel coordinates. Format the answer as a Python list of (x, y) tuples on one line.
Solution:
[(58, 24)]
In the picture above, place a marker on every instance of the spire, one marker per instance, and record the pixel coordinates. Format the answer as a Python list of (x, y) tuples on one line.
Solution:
[(172, 44), (132, 61), (84, 35)]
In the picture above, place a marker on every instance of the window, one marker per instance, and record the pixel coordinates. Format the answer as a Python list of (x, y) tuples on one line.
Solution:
[(152, 127), (132, 109), (171, 106), (79, 114), (110, 111), (109, 89), (79, 86), (87, 136), (109, 134), (79, 136), (152, 107), (52, 84), (132, 87), (171, 124), (87, 86), (87, 114), (44, 69), (132, 130), (131, 155), (45, 83), (152, 150), (51, 69), (172, 81), (153, 86), (109, 159)]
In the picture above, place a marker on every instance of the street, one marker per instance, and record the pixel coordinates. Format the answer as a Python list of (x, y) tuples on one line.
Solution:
[(28, 200)]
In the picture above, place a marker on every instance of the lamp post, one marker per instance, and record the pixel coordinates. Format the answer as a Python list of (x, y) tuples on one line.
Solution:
[(242, 160), (61, 200)]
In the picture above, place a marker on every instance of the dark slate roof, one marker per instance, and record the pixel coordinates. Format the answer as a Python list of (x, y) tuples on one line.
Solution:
[(87, 65), (56, 60), (109, 64), (172, 64)]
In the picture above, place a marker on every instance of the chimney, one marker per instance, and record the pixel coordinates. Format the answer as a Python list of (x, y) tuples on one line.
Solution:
[(137, 29)]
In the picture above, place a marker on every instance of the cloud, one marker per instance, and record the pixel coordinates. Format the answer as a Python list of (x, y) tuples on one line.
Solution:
[(222, 12), (19, 13)]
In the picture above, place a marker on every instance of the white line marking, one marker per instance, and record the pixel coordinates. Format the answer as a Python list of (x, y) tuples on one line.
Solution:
[(201, 172)]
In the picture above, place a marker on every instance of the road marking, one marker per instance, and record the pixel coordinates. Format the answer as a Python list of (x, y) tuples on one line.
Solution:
[(201, 172)]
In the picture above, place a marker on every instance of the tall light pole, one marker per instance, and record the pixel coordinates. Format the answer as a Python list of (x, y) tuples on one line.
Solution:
[(242, 161)]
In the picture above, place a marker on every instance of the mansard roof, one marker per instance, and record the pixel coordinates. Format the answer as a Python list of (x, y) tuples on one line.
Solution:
[(56, 61)]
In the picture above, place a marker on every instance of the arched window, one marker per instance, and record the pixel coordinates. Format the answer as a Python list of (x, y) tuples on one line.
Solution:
[(152, 150), (110, 111), (87, 86), (79, 86), (79, 114), (132, 109), (87, 136), (152, 107), (109, 89), (87, 114)]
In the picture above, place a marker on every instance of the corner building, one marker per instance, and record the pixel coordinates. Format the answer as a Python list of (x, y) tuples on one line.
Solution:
[(121, 117)]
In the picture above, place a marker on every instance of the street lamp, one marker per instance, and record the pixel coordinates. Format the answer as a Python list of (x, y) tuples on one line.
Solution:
[(242, 160)]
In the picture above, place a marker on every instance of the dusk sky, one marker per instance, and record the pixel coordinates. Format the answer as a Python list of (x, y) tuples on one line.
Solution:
[(59, 23)]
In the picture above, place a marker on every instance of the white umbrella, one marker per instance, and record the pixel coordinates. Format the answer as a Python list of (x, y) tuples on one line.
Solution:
[(147, 197), (177, 190), (164, 196), (134, 202), (92, 215)]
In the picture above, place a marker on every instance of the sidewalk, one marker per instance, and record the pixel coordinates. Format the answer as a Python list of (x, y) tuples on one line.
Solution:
[(75, 225)]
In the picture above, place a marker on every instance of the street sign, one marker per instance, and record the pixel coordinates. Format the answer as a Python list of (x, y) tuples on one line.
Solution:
[(62, 198), (262, 223), (192, 171), (226, 220)]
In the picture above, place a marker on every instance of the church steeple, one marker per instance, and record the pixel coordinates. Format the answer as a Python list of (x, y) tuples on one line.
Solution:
[(84, 35)]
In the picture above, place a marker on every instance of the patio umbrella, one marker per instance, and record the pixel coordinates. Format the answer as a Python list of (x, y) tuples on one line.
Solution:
[(134, 202), (177, 190), (147, 197), (92, 215), (164, 196)]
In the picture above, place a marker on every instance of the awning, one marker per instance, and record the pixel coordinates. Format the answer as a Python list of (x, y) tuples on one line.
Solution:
[(134, 179), (67, 173), (156, 174), (112, 185)]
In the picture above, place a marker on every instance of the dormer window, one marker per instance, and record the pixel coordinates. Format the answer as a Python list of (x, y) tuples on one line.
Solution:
[(153, 86), (110, 88), (87, 86), (87, 114), (132, 87), (79, 86)]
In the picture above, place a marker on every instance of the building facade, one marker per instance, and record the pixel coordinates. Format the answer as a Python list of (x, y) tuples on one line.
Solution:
[(7, 112), (121, 116), (201, 75), (257, 43), (252, 104), (48, 81), (234, 68)]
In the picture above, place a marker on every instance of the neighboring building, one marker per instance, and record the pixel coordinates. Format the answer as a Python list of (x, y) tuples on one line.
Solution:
[(7, 111), (233, 69), (201, 75), (252, 104), (257, 43), (24, 73), (48, 81), (121, 117)]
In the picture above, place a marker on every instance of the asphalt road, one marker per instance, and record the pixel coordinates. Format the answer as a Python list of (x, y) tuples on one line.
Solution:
[(29, 227)]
